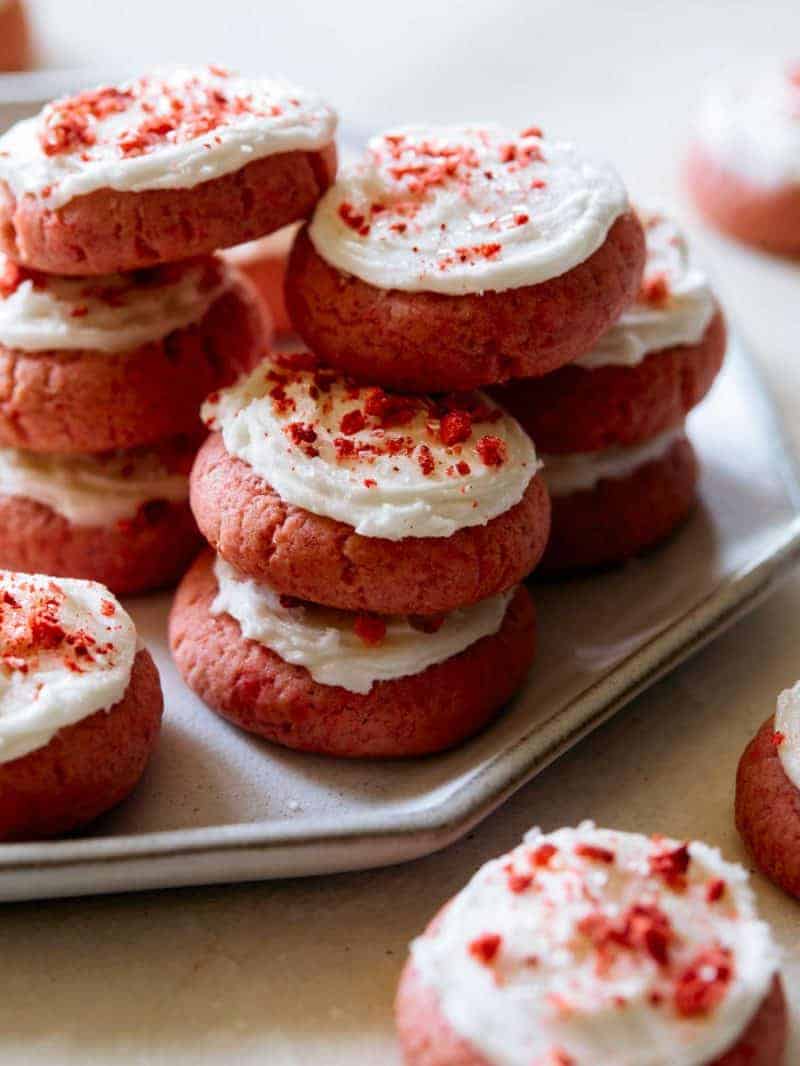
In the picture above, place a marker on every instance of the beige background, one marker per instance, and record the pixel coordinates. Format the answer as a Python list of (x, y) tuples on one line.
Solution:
[(303, 972)]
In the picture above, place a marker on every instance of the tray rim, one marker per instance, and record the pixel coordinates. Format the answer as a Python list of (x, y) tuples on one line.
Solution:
[(421, 832)]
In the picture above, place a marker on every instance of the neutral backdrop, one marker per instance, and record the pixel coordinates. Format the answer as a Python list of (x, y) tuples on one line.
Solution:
[(304, 972)]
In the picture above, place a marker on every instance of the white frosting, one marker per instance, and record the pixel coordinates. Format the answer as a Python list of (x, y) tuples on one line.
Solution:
[(90, 490), (549, 989), (203, 124), (67, 651), (753, 130), (325, 642), (112, 313), (382, 488), (465, 209), (581, 471), (651, 325), (787, 724)]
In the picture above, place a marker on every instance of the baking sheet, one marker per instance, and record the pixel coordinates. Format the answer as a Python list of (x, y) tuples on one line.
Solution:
[(217, 805)]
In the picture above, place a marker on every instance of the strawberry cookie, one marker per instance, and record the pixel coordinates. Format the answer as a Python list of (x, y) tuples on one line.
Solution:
[(585, 947), (160, 168), (264, 263), (744, 165), (121, 518), (645, 374), (475, 254), (80, 704), (768, 794), (364, 500), (609, 506), (121, 360), (344, 684)]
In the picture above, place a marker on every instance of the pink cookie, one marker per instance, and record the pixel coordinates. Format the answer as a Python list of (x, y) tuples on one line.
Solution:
[(316, 558), (430, 342), (768, 808), (622, 516), (94, 396), (161, 168), (65, 757), (247, 683), (637, 947), (766, 217)]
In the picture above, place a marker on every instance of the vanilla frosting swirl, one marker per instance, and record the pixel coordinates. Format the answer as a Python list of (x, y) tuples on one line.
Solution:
[(91, 490), (169, 130), (464, 209), (596, 947), (110, 313), (326, 642), (581, 471), (390, 466), (67, 651), (674, 307), (753, 130)]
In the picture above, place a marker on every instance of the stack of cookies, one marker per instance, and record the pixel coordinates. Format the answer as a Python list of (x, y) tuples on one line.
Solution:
[(371, 512), (115, 318), (621, 471)]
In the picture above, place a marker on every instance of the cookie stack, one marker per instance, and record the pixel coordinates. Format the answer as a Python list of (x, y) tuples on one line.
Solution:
[(621, 471), (115, 319), (371, 512)]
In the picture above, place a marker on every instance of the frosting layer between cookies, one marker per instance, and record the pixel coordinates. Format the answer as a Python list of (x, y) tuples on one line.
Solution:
[(345, 649), (161, 131), (600, 947), (581, 471), (111, 313), (67, 651), (753, 130), (91, 490), (391, 466), (465, 209), (674, 307)]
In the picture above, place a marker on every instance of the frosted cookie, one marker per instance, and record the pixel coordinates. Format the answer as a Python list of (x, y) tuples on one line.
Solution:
[(122, 360), (15, 37), (744, 165), (586, 947), (80, 704), (612, 505), (768, 794), (165, 166), (365, 500), (122, 518), (264, 263), (346, 684), (475, 254), (645, 374)]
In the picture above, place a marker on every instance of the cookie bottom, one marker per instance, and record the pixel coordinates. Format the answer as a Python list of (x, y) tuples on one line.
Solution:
[(255, 689)]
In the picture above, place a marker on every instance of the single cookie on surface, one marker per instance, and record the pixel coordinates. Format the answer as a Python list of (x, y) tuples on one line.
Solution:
[(264, 262), (473, 254), (610, 506), (121, 518), (743, 169), (645, 374), (80, 706), (768, 794), (123, 360), (589, 945), (364, 500), (345, 684), (160, 168)]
